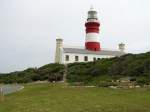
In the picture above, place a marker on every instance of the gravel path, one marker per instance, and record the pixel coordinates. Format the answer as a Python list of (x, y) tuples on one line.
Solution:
[(7, 89)]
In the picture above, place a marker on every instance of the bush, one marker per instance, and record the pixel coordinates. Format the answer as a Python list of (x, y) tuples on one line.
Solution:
[(129, 65), (143, 81), (55, 77), (34, 74), (106, 84)]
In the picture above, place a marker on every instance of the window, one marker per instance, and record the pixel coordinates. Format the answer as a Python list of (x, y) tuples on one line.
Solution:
[(94, 59), (67, 57), (98, 58), (85, 58), (76, 58)]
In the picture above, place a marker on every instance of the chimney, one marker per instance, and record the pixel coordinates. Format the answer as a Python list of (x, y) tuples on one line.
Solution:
[(122, 47), (58, 53)]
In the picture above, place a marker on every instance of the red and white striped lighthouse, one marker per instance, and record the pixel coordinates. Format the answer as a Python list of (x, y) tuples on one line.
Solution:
[(92, 31)]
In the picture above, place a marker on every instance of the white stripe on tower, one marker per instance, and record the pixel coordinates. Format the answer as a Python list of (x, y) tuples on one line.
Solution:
[(92, 37)]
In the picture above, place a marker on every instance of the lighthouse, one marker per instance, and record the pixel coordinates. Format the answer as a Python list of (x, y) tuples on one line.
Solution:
[(92, 25), (91, 51)]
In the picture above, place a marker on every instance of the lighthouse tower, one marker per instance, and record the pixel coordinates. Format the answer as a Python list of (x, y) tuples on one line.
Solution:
[(92, 31)]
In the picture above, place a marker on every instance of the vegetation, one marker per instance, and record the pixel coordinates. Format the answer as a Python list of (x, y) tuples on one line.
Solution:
[(58, 98), (135, 66), (48, 72), (101, 72)]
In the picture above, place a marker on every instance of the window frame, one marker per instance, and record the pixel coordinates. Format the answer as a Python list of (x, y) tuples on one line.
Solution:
[(85, 58), (66, 57), (98, 58), (76, 58), (94, 58)]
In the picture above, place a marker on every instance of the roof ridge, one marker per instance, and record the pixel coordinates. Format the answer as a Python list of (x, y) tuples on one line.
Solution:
[(85, 51)]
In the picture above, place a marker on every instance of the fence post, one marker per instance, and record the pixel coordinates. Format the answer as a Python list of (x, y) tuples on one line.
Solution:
[(1, 94), (1, 90)]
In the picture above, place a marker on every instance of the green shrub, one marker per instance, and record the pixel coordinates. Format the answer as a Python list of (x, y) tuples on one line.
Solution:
[(34, 74), (143, 81), (106, 84)]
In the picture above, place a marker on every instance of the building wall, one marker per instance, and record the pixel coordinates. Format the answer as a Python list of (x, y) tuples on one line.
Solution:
[(81, 57)]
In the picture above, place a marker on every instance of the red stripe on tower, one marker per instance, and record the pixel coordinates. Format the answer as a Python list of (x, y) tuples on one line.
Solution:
[(92, 31), (94, 46)]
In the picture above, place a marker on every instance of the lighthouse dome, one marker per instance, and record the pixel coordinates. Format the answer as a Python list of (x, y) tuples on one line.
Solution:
[(92, 14)]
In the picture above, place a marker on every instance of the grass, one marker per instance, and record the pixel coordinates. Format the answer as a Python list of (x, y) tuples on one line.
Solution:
[(58, 98)]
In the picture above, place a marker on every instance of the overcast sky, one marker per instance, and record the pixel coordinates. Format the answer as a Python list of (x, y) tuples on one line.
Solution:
[(28, 28)]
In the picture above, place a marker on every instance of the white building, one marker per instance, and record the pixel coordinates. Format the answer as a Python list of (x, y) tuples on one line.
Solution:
[(91, 51), (65, 55)]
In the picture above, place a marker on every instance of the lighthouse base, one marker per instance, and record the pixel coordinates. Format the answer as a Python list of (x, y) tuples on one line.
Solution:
[(93, 46)]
